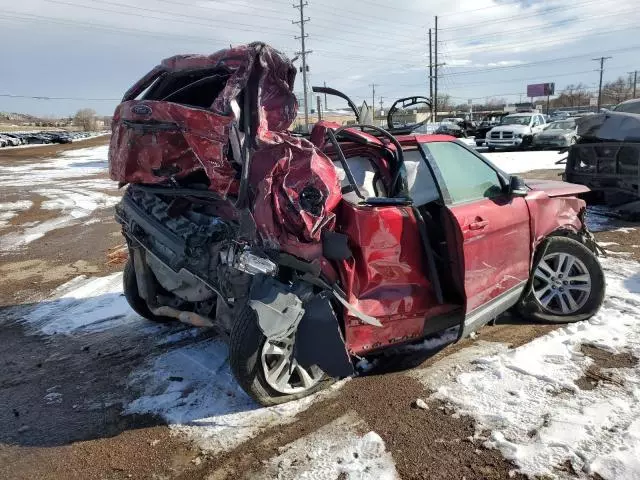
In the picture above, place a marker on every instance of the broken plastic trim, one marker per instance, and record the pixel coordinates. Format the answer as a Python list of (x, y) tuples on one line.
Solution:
[(279, 310)]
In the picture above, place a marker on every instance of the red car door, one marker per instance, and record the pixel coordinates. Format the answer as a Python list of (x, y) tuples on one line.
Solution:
[(494, 230)]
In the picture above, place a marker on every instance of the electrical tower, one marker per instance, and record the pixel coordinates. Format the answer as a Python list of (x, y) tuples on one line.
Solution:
[(601, 60), (303, 53)]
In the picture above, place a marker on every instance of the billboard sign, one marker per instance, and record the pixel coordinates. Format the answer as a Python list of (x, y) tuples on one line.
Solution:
[(541, 89)]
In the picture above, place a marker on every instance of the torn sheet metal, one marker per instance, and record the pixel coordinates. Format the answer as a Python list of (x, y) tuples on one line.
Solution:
[(319, 340), (549, 214), (163, 135)]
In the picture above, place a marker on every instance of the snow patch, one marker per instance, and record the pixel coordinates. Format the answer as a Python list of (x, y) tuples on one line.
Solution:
[(335, 449), (9, 210), (537, 415), (518, 162), (193, 389), (83, 305), (61, 180)]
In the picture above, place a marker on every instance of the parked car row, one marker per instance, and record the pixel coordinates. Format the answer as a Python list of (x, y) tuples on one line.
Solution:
[(528, 130), (39, 138)]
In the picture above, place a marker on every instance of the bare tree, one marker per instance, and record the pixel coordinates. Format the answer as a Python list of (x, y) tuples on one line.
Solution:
[(572, 96), (616, 91), (85, 119)]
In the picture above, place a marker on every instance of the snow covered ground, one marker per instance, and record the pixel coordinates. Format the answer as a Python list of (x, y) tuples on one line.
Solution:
[(525, 401), (529, 402), (518, 162), (66, 187)]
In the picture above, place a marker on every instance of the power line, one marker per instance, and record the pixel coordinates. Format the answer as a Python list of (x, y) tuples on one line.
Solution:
[(546, 12), (502, 33)]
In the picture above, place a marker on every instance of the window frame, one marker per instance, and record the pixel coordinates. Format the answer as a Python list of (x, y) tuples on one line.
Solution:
[(445, 195)]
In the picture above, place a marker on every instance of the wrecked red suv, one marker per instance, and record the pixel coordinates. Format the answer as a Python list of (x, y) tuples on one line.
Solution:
[(309, 252)]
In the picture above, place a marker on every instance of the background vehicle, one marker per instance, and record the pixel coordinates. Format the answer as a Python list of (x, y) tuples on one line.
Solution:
[(515, 130), (351, 246), (607, 160), (486, 124), (630, 106), (557, 135)]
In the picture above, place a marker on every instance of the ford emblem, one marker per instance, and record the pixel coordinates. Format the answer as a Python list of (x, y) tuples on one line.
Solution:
[(141, 109)]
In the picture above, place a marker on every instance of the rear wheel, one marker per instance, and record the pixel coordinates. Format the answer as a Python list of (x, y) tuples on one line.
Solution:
[(266, 369), (567, 285), (135, 301)]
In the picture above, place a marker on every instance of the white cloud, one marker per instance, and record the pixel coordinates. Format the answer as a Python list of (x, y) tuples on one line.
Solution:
[(354, 44)]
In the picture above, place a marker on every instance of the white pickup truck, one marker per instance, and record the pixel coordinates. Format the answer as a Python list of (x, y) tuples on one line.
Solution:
[(516, 130)]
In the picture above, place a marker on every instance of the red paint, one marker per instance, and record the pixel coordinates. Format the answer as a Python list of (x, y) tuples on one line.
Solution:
[(496, 247), (386, 277), (556, 188), (490, 242)]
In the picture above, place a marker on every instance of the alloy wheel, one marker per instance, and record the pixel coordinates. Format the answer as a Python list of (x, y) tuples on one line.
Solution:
[(561, 283), (282, 372)]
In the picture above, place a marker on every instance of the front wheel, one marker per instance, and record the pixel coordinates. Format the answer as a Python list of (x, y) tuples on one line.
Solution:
[(135, 301), (567, 284), (266, 369)]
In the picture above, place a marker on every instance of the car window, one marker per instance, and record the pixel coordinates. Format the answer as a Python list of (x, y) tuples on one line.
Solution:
[(465, 176), (524, 120), (632, 107)]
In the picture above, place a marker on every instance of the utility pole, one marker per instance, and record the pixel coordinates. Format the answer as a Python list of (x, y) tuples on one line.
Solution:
[(326, 105), (304, 52), (635, 81), (373, 95), (601, 60), (381, 112), (435, 83), (319, 107), (430, 76)]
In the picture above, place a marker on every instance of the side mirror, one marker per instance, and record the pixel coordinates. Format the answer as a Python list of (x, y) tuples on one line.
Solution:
[(517, 187)]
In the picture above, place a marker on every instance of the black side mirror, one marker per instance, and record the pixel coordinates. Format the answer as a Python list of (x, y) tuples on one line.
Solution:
[(517, 187)]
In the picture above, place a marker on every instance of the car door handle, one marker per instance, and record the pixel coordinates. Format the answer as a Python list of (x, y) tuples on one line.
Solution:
[(478, 224)]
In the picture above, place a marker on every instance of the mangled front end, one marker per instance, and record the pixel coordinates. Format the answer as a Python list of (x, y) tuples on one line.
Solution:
[(225, 210)]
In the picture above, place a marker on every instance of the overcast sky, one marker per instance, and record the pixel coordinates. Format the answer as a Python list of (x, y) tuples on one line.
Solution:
[(94, 49)]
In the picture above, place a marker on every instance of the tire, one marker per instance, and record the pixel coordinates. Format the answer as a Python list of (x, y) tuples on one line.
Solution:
[(587, 304), (245, 359), (135, 301)]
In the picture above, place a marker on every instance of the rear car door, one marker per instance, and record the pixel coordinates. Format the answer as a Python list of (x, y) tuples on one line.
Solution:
[(494, 228)]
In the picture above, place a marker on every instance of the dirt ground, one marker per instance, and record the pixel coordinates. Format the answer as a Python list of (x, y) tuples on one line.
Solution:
[(79, 430)]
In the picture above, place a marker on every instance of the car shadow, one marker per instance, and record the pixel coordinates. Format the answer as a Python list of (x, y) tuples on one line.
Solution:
[(106, 370), (407, 357)]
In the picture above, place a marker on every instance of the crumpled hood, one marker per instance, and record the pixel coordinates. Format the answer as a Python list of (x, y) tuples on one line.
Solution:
[(511, 128), (556, 188)]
